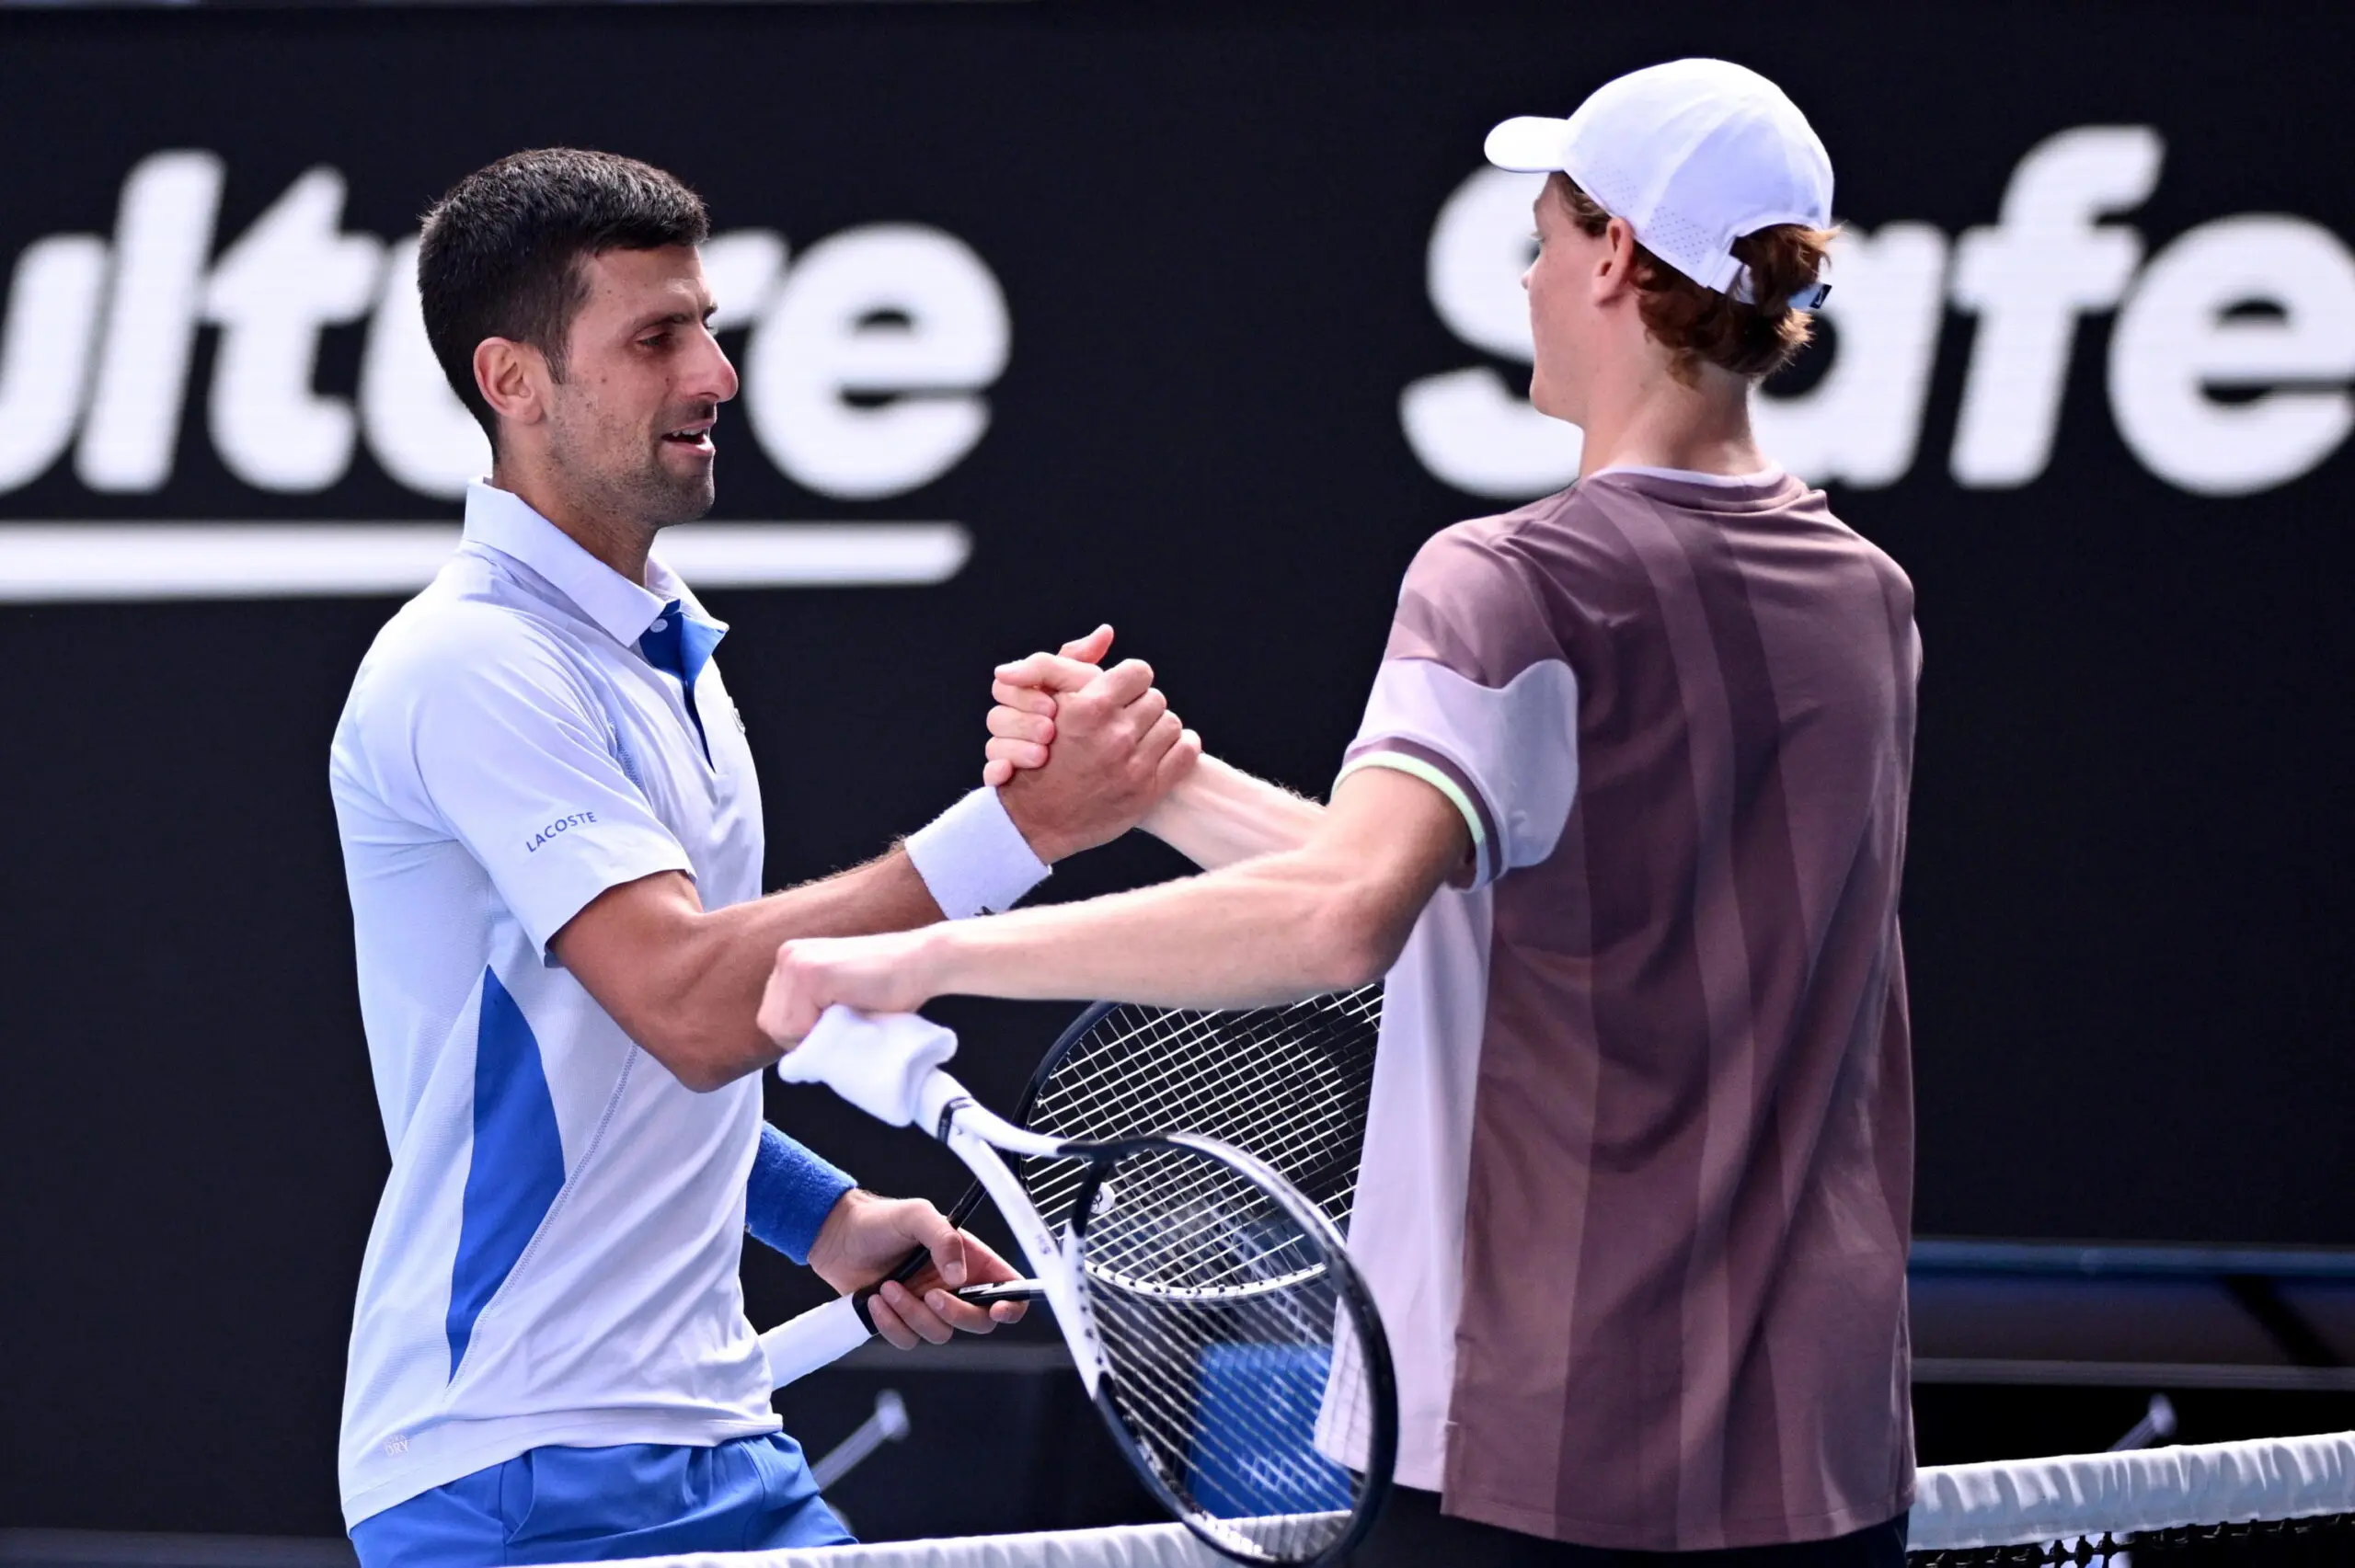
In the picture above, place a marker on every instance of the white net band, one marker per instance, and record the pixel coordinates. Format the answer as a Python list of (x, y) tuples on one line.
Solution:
[(1958, 1508), (2016, 1502)]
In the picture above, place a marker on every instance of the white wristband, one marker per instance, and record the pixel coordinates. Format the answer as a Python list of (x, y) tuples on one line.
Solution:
[(972, 858)]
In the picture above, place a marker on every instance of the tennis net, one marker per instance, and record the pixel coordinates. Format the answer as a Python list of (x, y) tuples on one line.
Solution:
[(2281, 1501), (2288, 1500)]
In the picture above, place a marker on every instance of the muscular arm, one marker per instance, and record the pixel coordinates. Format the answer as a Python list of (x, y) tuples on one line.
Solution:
[(683, 981), (1332, 913)]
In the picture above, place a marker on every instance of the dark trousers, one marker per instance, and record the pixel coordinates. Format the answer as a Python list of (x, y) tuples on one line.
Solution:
[(1413, 1533)]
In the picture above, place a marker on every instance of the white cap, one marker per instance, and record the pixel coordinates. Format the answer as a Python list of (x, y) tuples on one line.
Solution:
[(1694, 155)]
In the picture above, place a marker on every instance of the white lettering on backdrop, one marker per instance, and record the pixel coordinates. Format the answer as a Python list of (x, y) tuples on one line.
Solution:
[(866, 367), (2260, 308)]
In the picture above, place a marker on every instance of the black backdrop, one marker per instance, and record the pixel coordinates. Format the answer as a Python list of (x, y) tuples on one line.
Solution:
[(2125, 908)]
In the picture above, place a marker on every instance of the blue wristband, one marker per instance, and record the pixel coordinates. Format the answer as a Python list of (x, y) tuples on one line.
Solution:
[(790, 1194)]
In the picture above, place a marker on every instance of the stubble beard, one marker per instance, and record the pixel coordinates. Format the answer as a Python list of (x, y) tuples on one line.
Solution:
[(643, 492), (665, 498)]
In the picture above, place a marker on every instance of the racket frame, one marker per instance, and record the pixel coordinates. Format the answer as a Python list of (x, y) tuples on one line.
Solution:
[(1074, 1033), (970, 1199), (802, 1344), (977, 1135), (1078, 1029), (1365, 1325), (978, 1138)]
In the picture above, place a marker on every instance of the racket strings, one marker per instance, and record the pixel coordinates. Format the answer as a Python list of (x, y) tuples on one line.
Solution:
[(1288, 1084), (1194, 1203), (1224, 1394), (1229, 1080), (1237, 1462), (1055, 1184), (1135, 1056)]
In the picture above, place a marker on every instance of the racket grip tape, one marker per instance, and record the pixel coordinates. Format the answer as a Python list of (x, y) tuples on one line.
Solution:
[(801, 1345), (822, 1335)]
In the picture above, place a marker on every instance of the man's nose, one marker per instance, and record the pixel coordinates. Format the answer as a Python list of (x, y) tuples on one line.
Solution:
[(713, 377)]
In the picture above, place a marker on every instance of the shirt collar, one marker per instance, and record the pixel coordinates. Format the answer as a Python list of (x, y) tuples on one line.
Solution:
[(507, 524), (1770, 474)]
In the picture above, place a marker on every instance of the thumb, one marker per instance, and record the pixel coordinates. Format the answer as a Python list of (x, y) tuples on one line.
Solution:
[(930, 1229), (1048, 671), (1091, 648)]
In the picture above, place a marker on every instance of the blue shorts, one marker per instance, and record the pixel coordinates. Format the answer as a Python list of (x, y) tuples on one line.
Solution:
[(585, 1504)]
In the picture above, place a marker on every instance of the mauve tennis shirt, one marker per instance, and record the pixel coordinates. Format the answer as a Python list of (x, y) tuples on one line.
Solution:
[(1638, 1168)]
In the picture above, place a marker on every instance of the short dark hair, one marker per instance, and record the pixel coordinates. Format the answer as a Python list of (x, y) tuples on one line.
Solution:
[(502, 252)]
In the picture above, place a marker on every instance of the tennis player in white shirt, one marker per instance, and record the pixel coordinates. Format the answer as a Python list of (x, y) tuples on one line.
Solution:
[(553, 839)]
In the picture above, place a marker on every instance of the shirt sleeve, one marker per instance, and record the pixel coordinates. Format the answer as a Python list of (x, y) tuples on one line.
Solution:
[(1475, 698), (493, 735)]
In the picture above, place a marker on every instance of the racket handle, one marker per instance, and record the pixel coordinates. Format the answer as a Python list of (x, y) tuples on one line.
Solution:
[(913, 1264), (824, 1335), (818, 1337)]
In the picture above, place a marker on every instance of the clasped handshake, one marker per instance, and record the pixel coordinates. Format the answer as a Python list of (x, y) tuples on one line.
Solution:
[(1079, 754)]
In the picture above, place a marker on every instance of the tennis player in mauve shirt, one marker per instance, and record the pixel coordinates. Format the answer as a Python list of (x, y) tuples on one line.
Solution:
[(1623, 826)]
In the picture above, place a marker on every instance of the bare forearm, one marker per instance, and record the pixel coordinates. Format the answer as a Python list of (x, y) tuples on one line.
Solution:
[(1274, 929), (1221, 815), (1330, 914), (885, 894), (695, 1013)]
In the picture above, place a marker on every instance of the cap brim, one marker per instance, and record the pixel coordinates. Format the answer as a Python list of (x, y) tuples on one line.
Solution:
[(1529, 143)]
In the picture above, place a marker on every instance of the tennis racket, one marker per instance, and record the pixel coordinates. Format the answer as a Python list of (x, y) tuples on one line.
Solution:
[(1287, 1084), (1215, 1319)]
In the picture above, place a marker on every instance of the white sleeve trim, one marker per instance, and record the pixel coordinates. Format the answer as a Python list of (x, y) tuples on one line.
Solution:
[(1517, 745), (974, 859), (1415, 767)]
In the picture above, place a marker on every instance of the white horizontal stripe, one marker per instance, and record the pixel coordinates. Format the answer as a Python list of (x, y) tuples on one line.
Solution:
[(51, 562), (1960, 1507)]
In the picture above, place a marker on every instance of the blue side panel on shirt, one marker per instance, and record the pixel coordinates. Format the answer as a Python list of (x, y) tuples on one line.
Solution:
[(518, 1165)]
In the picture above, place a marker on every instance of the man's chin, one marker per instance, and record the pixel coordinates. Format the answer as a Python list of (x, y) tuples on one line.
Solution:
[(680, 498), (1550, 403)]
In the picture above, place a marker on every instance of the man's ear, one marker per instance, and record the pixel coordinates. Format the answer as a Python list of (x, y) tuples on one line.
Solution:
[(512, 378), (1614, 274)]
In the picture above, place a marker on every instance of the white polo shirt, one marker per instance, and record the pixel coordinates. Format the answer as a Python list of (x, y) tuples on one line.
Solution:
[(555, 1258)]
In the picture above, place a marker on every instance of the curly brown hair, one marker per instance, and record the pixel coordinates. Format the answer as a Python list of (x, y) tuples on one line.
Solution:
[(1696, 324)]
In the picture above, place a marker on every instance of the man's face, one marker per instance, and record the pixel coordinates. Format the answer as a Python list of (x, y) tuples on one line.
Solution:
[(631, 423), (1564, 321)]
